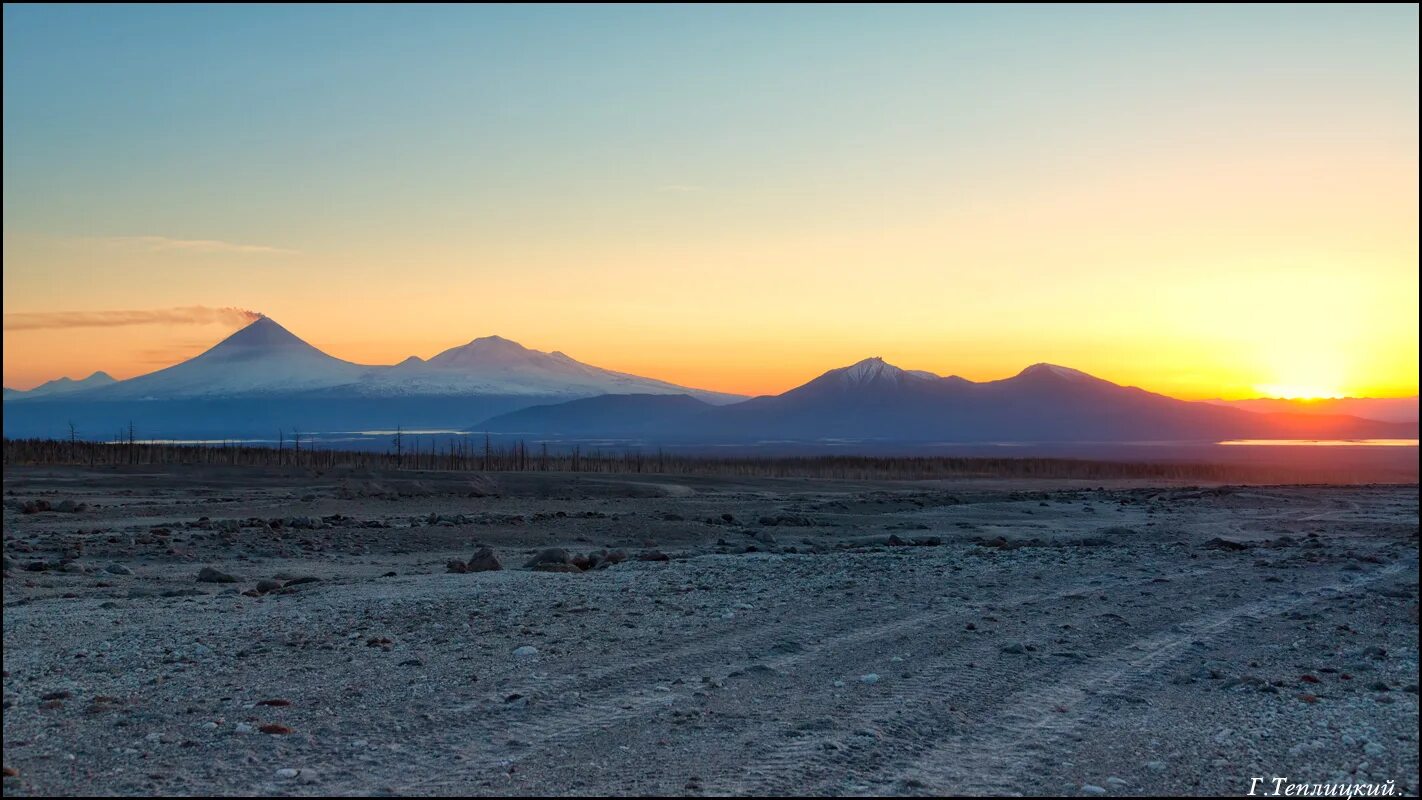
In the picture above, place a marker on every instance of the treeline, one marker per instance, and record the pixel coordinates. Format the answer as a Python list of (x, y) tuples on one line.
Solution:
[(474, 456)]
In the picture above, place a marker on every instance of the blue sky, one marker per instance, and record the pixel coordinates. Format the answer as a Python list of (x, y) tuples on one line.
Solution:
[(604, 161)]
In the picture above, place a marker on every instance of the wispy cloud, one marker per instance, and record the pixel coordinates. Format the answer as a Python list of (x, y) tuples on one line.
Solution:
[(172, 354), (186, 315), (165, 244)]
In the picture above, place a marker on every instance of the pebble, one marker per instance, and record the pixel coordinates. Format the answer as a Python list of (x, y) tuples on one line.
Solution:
[(303, 775), (527, 651), (871, 679), (1091, 788)]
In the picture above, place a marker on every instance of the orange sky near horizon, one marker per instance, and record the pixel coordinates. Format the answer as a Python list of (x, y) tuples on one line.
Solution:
[(1203, 201), (745, 366)]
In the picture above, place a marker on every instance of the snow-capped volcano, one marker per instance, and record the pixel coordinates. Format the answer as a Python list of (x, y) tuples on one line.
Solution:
[(493, 365), (1052, 372), (872, 372), (266, 359), (262, 358)]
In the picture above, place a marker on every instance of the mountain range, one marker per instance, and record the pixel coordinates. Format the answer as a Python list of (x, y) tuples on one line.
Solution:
[(65, 386), (876, 401), (264, 378), (1386, 409)]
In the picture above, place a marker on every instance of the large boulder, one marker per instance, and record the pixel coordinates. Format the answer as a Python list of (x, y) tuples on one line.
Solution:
[(210, 575), (483, 560)]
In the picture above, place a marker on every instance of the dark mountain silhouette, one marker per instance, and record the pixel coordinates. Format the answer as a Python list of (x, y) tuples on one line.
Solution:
[(264, 378), (874, 400), (64, 386)]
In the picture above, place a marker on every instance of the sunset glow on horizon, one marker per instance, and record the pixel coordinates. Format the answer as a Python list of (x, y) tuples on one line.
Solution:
[(1207, 202)]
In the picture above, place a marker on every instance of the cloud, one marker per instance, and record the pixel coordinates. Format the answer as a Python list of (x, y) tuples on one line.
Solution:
[(186, 315), (172, 354), (164, 244)]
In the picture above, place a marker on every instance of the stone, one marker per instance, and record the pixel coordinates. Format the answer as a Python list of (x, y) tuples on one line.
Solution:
[(483, 560), (210, 575)]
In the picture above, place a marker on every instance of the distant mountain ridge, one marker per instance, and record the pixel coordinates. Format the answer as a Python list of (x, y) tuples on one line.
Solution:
[(264, 378), (873, 400), (265, 358), (1383, 409), (64, 386), (495, 365)]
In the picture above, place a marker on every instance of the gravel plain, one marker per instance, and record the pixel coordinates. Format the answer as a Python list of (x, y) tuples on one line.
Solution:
[(729, 636)]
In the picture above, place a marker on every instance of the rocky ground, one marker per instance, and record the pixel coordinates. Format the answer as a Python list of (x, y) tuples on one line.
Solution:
[(211, 631)]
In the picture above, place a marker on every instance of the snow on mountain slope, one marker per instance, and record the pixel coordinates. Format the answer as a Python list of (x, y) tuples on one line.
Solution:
[(863, 376), (497, 366), (262, 358), (60, 386), (1043, 403), (266, 359), (877, 370)]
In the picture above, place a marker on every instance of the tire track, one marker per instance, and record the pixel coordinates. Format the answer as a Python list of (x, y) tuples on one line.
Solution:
[(982, 761), (898, 719), (849, 628)]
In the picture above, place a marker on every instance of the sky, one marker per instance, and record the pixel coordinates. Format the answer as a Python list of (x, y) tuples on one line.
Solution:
[(1214, 201)]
